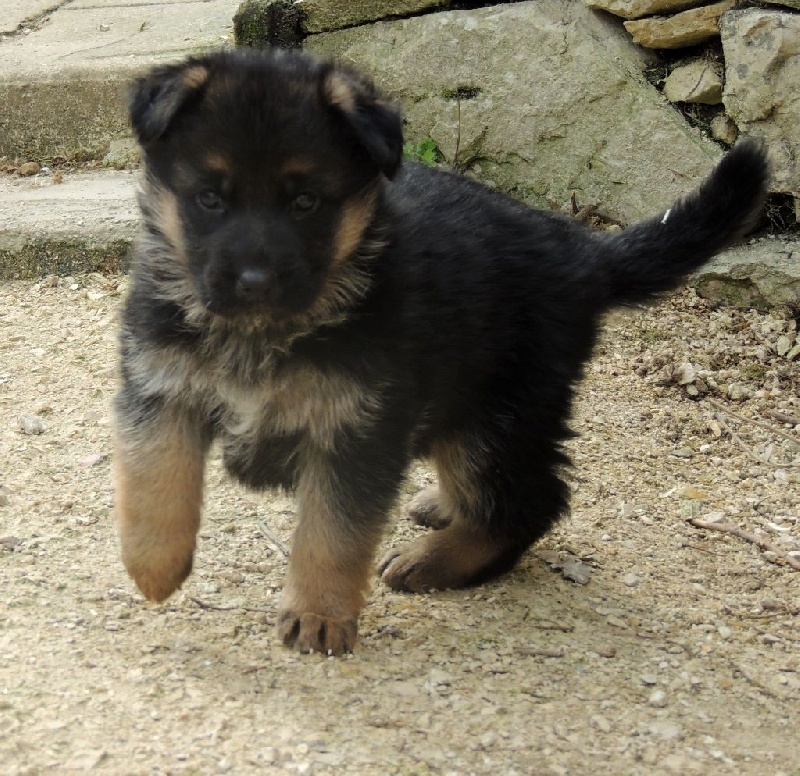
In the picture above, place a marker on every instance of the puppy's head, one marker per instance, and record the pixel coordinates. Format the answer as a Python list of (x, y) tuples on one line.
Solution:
[(264, 173)]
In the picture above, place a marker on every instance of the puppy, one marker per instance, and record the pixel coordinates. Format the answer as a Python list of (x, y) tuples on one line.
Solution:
[(327, 312)]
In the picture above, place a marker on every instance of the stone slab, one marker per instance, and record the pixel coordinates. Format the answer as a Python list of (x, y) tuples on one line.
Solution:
[(326, 15), (763, 273), (762, 85), (63, 85), (560, 108), (687, 28), (636, 9), (86, 223)]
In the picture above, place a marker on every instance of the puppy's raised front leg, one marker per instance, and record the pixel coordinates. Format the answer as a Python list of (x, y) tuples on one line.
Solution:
[(343, 502), (159, 457)]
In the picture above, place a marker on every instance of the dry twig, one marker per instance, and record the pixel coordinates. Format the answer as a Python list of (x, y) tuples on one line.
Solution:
[(782, 417), (749, 537), (273, 540), (204, 605), (758, 684), (747, 449)]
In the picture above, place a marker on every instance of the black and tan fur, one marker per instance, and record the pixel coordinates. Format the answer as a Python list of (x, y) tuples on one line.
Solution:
[(327, 313)]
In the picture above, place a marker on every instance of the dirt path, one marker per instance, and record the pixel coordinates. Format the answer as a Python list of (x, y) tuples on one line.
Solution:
[(681, 654)]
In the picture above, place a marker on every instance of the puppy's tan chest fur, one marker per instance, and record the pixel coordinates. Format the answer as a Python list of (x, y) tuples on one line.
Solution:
[(252, 396), (298, 399)]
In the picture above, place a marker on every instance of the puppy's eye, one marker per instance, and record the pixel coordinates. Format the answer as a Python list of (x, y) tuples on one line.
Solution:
[(208, 199), (304, 204)]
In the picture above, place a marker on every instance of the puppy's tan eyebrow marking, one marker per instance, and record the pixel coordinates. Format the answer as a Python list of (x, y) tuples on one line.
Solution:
[(297, 165), (216, 162), (195, 77)]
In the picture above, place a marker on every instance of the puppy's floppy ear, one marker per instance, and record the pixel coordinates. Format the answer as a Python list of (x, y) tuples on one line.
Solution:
[(155, 101), (373, 121)]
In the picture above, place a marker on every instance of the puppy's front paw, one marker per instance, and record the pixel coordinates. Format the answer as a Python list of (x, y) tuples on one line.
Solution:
[(158, 575), (309, 632)]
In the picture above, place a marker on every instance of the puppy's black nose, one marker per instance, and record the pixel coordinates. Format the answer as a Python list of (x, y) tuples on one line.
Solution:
[(254, 282)]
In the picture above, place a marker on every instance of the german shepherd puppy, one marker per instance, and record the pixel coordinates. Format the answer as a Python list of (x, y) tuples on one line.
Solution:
[(328, 312)]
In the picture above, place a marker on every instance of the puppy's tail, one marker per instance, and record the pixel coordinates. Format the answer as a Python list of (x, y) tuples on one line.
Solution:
[(654, 255)]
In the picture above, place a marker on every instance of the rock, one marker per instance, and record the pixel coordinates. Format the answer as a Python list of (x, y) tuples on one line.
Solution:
[(31, 424), (687, 28), (324, 15), (665, 730), (563, 111), (724, 129), (635, 9), (575, 571), (762, 70), (28, 169), (738, 392), (763, 274), (788, 3), (698, 82), (263, 23), (657, 699)]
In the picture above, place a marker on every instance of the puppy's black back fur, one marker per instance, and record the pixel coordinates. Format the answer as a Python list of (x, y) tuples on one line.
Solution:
[(497, 313)]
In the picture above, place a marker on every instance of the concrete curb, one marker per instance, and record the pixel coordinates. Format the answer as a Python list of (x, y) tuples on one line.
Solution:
[(63, 74), (84, 224)]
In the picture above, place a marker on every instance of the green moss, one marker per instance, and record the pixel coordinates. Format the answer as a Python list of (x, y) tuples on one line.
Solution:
[(262, 23)]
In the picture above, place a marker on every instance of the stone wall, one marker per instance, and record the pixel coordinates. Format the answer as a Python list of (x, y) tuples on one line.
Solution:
[(615, 105)]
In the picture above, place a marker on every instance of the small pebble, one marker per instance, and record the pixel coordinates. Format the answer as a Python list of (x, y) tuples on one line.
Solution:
[(631, 580), (649, 679), (576, 572), (657, 699), (31, 424), (601, 723), (665, 730), (233, 576)]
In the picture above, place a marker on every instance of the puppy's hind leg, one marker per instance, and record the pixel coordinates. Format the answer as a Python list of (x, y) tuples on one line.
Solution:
[(498, 499)]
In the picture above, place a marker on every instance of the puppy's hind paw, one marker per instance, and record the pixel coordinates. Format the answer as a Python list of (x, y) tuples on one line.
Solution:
[(453, 557), (426, 510), (309, 632)]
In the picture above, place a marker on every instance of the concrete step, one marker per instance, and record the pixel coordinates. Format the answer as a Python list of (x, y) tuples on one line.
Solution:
[(65, 65), (66, 224)]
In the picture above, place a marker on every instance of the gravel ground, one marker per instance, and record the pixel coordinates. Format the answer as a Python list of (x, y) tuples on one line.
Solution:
[(628, 641)]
